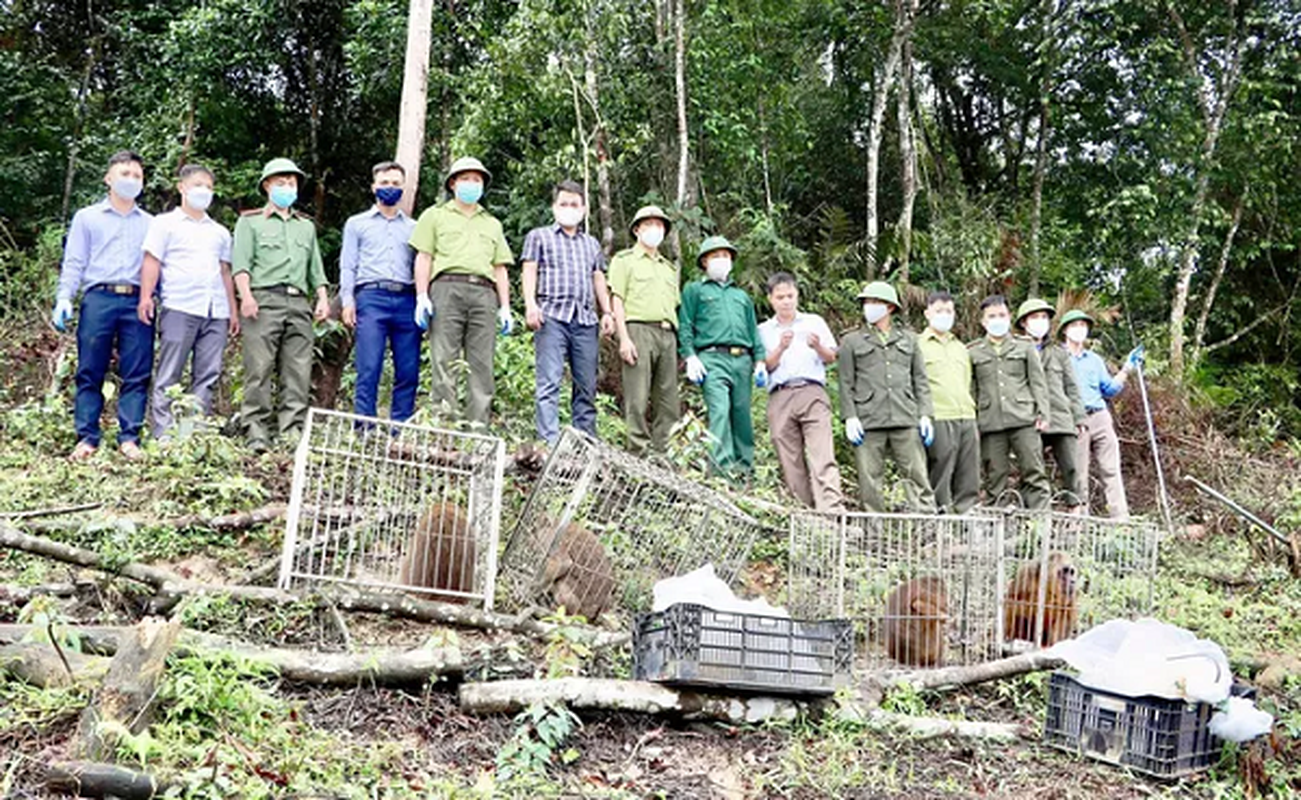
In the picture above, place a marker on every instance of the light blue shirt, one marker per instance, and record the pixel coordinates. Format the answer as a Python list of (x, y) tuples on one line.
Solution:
[(1095, 381), (191, 252), (375, 249), (103, 246)]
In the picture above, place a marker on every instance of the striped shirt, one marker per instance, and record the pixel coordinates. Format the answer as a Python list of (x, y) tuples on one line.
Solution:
[(103, 246), (565, 268)]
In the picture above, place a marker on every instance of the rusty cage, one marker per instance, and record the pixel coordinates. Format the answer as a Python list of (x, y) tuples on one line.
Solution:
[(647, 522), (394, 506), (926, 591)]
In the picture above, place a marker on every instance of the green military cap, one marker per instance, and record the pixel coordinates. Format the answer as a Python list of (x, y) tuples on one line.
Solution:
[(467, 164), (714, 243), (1031, 305), (280, 166), (1074, 315), (650, 212), (880, 290)]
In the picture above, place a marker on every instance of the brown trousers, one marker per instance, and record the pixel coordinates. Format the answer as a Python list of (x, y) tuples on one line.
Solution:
[(800, 422), (1100, 449)]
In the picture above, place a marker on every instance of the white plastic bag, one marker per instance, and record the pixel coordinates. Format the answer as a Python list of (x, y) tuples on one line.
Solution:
[(704, 588), (1148, 657), (1241, 721)]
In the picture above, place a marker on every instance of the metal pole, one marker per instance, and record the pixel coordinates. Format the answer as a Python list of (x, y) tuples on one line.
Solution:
[(1156, 452), (1239, 510)]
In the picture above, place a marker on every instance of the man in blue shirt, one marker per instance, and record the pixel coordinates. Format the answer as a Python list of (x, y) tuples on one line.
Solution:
[(564, 283), (1098, 445), (378, 292), (101, 259)]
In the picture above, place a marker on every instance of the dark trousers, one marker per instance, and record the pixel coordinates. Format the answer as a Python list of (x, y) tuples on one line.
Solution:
[(1063, 447), (186, 338), (108, 321), (953, 462), (996, 450), (387, 320), (557, 343)]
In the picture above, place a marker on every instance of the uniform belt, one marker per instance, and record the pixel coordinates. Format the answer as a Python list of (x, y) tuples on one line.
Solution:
[(282, 288), (116, 288), (460, 277), (798, 383), (397, 287), (662, 324), (727, 349), (1091, 411)]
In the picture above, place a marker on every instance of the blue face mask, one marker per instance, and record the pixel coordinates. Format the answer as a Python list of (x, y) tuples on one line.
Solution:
[(283, 196), (469, 193), (388, 195)]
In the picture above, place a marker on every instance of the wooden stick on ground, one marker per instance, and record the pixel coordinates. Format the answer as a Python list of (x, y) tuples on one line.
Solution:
[(57, 511), (89, 779)]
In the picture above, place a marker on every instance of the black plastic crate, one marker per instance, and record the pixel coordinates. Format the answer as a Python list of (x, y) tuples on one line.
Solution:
[(690, 645), (1154, 735)]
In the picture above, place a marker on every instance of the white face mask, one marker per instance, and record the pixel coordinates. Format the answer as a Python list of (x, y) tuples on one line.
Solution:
[(718, 268), (198, 197), (874, 312), (998, 327), (1077, 332), (942, 323), (651, 237), (1037, 328), (567, 216)]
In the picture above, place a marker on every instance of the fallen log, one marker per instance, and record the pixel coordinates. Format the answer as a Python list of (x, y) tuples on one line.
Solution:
[(57, 511), (39, 545), (386, 667), (91, 779), (41, 665), (125, 700), (933, 727), (232, 522), (873, 689)]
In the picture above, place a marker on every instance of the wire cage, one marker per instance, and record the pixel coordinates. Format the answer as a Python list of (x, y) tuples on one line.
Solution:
[(394, 506), (928, 591), (922, 590), (601, 527)]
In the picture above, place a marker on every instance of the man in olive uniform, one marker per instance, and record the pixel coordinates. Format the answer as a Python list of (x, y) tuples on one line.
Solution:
[(1065, 412), (718, 335), (886, 401), (1011, 405), (277, 269), (462, 248), (953, 459), (644, 291)]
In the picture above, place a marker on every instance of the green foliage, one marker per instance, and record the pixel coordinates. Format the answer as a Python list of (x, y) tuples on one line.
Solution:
[(540, 731)]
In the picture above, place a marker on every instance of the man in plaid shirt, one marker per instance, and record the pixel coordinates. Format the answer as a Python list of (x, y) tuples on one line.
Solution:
[(564, 284)]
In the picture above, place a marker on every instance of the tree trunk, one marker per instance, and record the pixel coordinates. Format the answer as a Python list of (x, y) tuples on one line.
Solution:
[(78, 123), (763, 154), (125, 701), (680, 89), (1199, 333), (415, 97), (1041, 146), (907, 150), (881, 86), (605, 206)]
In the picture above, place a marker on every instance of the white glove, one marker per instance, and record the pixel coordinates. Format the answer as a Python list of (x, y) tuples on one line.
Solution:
[(62, 314), (854, 431), (505, 320), (761, 374), (424, 311), (696, 371), (927, 430)]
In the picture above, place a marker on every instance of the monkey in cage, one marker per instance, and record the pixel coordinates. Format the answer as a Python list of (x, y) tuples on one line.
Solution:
[(1022, 601), (578, 573), (441, 554), (916, 613)]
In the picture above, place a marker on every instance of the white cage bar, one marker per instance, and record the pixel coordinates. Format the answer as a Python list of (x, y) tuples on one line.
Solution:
[(647, 524), (394, 506)]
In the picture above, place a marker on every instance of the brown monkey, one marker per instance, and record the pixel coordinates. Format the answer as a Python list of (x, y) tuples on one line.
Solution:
[(579, 574), (441, 553), (915, 616), (1022, 602)]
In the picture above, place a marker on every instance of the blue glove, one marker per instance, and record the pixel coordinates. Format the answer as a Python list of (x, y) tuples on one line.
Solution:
[(760, 374), (424, 311), (854, 431), (505, 321), (927, 430), (1135, 358), (62, 314), (696, 371)]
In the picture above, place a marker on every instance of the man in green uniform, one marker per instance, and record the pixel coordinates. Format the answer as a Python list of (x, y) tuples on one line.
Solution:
[(1011, 405), (886, 400), (718, 335), (462, 249), (644, 292), (1065, 411), (953, 459), (277, 269)]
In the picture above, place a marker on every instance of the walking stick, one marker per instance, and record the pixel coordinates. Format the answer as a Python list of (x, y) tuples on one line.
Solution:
[(1156, 452)]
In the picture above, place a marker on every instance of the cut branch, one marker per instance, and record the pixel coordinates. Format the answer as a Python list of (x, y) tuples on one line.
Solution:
[(40, 665), (125, 701), (88, 779)]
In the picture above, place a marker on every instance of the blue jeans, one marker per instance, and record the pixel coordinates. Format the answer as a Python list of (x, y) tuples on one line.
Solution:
[(556, 343), (109, 320), (387, 319)]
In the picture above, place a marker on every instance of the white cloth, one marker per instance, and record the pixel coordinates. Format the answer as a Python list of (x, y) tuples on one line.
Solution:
[(800, 362), (191, 252)]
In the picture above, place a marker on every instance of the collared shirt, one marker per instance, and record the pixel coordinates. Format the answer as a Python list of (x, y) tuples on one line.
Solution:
[(647, 284), (1065, 410), (1008, 384), (375, 249), (275, 251), (565, 267), (800, 362), (883, 378), (1094, 380), (103, 246), (948, 368), (714, 314), (191, 252), (471, 245)]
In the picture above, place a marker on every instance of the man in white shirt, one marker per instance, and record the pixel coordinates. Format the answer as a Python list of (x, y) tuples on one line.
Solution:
[(190, 252), (799, 347)]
